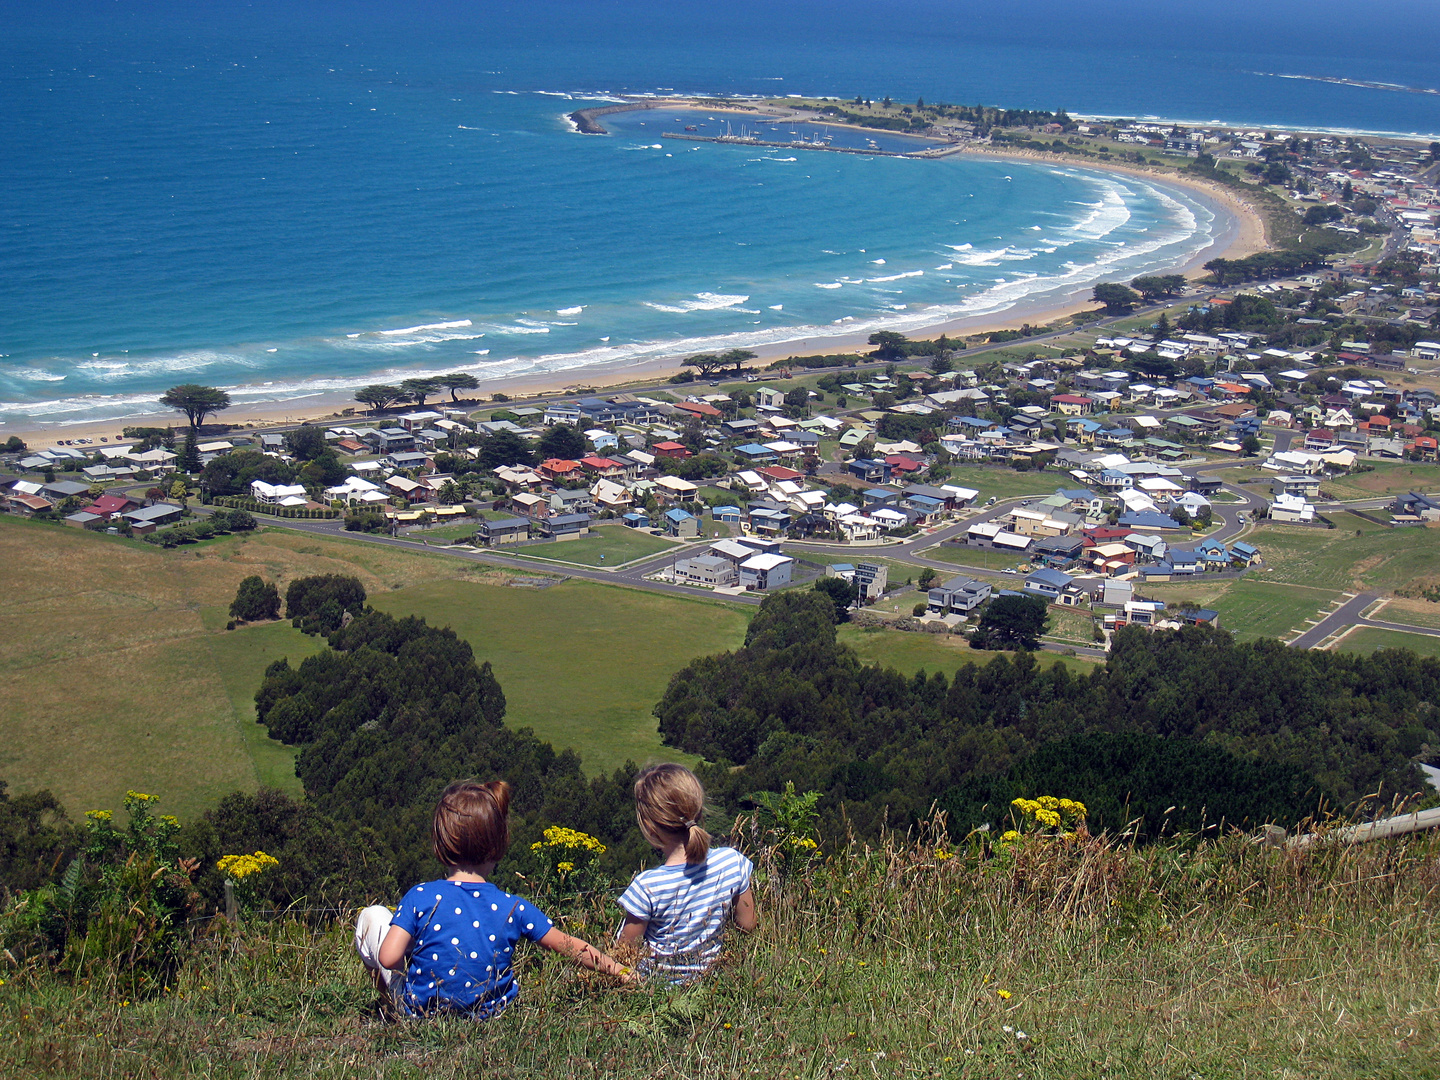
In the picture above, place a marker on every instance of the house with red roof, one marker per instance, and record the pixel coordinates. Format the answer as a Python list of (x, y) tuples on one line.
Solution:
[(1320, 439), (603, 467), (108, 506), (559, 469), (1425, 446), (1072, 404), (670, 450), (903, 463), (779, 473), (699, 408)]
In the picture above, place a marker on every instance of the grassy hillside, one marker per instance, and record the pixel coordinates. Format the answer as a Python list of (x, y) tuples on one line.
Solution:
[(1049, 961), (117, 672)]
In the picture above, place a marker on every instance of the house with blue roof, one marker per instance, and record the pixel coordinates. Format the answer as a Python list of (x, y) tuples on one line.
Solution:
[(731, 515), (877, 497), (870, 470), (1115, 480), (681, 523), (1212, 553), (635, 520), (1243, 552), (756, 453), (1047, 583), (1184, 562), (1148, 521), (970, 424)]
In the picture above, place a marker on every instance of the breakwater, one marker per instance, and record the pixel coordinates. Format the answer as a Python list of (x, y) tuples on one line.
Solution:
[(743, 140), (585, 122)]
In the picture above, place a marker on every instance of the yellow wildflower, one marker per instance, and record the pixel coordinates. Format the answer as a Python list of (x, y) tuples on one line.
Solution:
[(1009, 836), (1005, 995), (141, 797), (239, 867), (97, 816), (941, 856), (571, 839), (565, 867)]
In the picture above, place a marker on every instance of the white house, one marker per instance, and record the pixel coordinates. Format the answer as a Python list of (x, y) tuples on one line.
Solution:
[(278, 494)]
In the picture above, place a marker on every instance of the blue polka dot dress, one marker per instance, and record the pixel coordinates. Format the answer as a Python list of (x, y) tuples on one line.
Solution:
[(463, 937)]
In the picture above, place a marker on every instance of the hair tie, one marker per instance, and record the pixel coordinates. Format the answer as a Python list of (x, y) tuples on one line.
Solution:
[(692, 824)]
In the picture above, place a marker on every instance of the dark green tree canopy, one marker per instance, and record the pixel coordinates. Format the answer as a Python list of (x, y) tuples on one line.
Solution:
[(1117, 298), (564, 441), (195, 401), (379, 395), (1013, 622), (256, 599), (457, 381)]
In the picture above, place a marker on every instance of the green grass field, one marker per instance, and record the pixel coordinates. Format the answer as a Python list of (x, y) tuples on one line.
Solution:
[(1249, 607), (1071, 626), (1366, 639), (459, 531), (1356, 554), (582, 664), (608, 545), (118, 674), (1415, 612), (909, 652), (981, 557), (1003, 483), (1385, 478)]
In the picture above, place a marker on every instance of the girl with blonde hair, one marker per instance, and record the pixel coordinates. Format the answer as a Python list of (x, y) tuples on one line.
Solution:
[(680, 907)]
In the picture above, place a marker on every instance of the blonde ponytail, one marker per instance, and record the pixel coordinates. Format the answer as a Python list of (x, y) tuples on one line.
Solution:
[(670, 801)]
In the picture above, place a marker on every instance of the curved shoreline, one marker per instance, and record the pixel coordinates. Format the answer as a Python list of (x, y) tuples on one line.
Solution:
[(1243, 234)]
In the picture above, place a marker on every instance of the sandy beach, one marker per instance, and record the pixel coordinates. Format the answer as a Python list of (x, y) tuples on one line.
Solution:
[(1244, 235)]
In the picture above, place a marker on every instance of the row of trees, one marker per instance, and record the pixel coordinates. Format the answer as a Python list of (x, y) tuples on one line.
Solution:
[(418, 391)]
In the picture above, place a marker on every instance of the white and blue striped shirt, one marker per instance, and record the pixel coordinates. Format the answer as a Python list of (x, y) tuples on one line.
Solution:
[(684, 908)]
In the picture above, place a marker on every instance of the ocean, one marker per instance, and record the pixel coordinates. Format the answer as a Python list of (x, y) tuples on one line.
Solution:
[(288, 200)]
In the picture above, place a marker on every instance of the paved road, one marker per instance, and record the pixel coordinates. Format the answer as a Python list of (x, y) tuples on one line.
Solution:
[(1347, 614)]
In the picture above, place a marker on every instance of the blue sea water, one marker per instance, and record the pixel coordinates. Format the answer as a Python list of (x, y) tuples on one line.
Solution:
[(291, 199)]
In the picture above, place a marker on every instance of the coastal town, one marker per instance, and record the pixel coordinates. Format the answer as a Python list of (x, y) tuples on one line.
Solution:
[(1093, 465), (678, 541)]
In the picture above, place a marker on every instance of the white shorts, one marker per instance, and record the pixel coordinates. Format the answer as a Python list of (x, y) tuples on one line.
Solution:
[(370, 930)]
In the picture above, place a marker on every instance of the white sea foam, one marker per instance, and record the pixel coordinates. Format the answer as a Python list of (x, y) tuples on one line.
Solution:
[(777, 307), (567, 311), (878, 262), (452, 325), (522, 328), (945, 266), (829, 284), (897, 277), (482, 352), (705, 301), (34, 375)]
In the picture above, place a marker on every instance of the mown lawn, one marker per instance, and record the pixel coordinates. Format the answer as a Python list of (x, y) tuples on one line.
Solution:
[(1366, 639), (609, 545), (1357, 554), (582, 664)]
